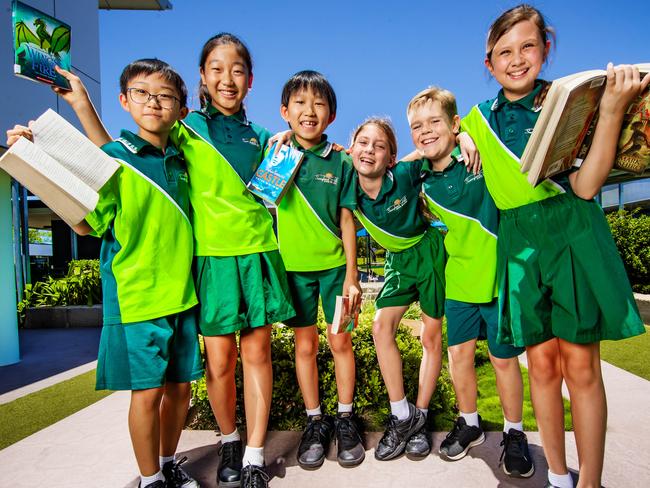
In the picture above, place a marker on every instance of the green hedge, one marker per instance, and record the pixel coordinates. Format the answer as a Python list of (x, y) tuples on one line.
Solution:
[(81, 286), (631, 231), (371, 398)]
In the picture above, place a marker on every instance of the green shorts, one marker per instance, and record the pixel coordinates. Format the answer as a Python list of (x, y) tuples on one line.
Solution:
[(141, 355), (468, 321), (417, 273), (239, 292), (305, 287), (560, 275)]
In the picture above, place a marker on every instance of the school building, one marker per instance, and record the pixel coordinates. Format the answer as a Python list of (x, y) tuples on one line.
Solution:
[(21, 262)]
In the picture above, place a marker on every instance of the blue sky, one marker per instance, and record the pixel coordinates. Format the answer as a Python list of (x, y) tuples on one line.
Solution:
[(376, 57)]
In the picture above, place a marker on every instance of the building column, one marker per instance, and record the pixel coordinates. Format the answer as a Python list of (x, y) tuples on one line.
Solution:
[(9, 348)]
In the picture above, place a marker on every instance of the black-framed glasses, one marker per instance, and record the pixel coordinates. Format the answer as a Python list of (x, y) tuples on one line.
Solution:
[(140, 96)]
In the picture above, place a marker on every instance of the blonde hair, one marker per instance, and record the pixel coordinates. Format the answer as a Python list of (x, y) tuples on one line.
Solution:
[(509, 18), (435, 94), (385, 125)]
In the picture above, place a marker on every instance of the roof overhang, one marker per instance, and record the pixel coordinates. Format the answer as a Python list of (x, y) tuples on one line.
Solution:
[(135, 5)]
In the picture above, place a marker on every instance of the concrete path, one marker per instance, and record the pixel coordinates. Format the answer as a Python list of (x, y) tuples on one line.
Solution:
[(91, 449)]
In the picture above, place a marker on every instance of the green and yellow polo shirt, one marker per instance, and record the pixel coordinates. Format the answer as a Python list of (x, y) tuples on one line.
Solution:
[(309, 230), (222, 152), (461, 201), (501, 130), (147, 244), (393, 219)]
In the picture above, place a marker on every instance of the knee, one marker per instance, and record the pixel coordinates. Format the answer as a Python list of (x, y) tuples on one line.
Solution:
[(340, 344), (382, 333), (178, 392), (147, 399), (582, 374), (545, 371), (504, 365), (307, 348), (432, 341), (220, 367)]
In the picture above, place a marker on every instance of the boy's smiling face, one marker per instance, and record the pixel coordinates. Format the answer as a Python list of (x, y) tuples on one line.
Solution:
[(308, 114), (434, 135), (151, 117), (371, 152)]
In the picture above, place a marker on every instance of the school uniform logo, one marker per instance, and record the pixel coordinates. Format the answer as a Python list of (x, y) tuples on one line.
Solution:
[(252, 141), (397, 204), (327, 178), (474, 177)]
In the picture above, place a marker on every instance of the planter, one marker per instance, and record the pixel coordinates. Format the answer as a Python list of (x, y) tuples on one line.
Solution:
[(643, 302), (63, 317), (415, 326)]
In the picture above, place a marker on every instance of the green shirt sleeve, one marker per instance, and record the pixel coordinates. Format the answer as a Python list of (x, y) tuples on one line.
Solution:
[(101, 218), (348, 195)]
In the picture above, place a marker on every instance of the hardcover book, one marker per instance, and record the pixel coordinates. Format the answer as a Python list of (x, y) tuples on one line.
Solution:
[(41, 42), (274, 175), (61, 166), (563, 132), (345, 319)]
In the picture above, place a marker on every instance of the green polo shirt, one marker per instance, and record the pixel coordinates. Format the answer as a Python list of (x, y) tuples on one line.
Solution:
[(222, 153), (393, 219), (460, 199), (309, 229), (501, 130), (147, 244)]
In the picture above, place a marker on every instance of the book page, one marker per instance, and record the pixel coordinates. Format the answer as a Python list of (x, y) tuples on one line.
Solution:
[(62, 141), (64, 193)]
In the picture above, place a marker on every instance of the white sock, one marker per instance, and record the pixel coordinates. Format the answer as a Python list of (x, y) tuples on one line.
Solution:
[(314, 411), (507, 425), (232, 437), (400, 409), (470, 418), (165, 459), (560, 480), (253, 456), (147, 480), (345, 407), (425, 411)]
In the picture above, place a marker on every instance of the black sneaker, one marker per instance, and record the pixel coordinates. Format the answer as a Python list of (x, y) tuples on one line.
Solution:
[(350, 451), (254, 477), (515, 458), (176, 477), (155, 484), (229, 472), (419, 444), (397, 434), (461, 438), (315, 441)]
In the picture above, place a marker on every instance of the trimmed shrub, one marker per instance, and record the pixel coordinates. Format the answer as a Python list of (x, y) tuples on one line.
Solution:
[(631, 231)]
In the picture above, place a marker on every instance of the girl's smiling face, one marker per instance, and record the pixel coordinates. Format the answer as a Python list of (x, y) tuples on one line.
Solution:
[(371, 151), (517, 59), (227, 78)]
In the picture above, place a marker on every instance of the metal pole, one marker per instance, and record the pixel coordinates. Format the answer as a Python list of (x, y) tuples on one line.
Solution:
[(9, 347), (18, 252), (27, 270)]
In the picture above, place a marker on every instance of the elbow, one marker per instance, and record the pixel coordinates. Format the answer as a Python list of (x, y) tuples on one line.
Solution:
[(585, 194)]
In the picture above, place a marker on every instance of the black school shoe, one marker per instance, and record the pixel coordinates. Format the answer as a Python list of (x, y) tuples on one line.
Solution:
[(315, 441), (254, 477), (350, 451), (461, 439), (397, 434), (419, 444), (515, 458), (155, 484), (176, 477), (229, 472)]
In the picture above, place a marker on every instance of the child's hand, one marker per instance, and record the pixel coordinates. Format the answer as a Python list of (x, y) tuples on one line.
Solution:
[(352, 289), (339, 148), (470, 152), (77, 95), (624, 84), (280, 138), (412, 156), (17, 132)]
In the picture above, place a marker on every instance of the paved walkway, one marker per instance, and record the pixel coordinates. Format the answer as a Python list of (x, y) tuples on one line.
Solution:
[(92, 448)]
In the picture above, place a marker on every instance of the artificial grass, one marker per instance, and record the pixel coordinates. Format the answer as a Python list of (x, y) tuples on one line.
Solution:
[(33, 412), (631, 354)]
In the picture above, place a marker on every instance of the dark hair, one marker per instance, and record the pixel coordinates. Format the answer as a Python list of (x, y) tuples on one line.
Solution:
[(150, 66), (221, 39), (309, 79), (509, 18)]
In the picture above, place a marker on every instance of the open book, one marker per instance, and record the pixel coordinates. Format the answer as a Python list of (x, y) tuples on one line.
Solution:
[(274, 175), (345, 319), (61, 166), (562, 134)]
